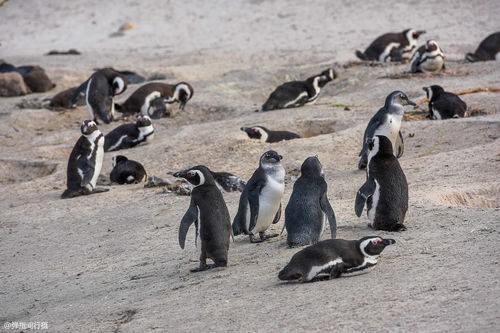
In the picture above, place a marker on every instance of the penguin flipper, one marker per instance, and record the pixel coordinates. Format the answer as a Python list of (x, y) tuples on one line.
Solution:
[(190, 217), (328, 210), (253, 200), (81, 89), (86, 170), (278, 216), (400, 147), (415, 61), (363, 194), (370, 132)]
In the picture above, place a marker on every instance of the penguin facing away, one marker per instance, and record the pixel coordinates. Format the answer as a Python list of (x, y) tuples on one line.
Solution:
[(266, 135), (308, 209), (385, 191), (444, 105), (335, 258), (488, 49), (85, 162), (260, 201), (209, 213), (428, 58), (127, 171), (129, 135), (387, 122)]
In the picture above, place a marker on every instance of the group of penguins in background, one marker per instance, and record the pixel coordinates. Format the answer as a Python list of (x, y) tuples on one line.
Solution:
[(384, 193)]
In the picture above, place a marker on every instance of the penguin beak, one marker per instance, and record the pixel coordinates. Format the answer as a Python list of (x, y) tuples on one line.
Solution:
[(420, 32), (180, 174), (388, 241), (424, 89), (408, 102)]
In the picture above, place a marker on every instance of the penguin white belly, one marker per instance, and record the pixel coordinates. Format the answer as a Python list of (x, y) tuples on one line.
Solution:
[(367, 265), (269, 202), (98, 161), (387, 51), (436, 114), (301, 95), (147, 102), (146, 134), (390, 129), (432, 64), (317, 270), (375, 199)]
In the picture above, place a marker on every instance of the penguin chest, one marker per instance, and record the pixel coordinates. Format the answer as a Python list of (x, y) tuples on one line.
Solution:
[(146, 134), (147, 102), (432, 64), (99, 154), (269, 203), (390, 128), (372, 209), (436, 115)]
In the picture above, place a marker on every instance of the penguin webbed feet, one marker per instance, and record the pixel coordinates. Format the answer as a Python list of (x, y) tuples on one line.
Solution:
[(263, 236)]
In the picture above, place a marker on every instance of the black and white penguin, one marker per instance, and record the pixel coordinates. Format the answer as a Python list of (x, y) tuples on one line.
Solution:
[(209, 213), (141, 99), (444, 105), (224, 180), (393, 46), (333, 258), (489, 49), (130, 135), (387, 122), (100, 90), (385, 191), (266, 135), (308, 209), (297, 93), (85, 162), (126, 171), (428, 58), (260, 202)]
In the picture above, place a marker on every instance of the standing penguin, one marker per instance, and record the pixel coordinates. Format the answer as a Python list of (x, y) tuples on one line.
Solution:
[(209, 213), (126, 171), (260, 202), (85, 162), (444, 105), (308, 208), (428, 58), (142, 99), (100, 90), (297, 93), (393, 46), (387, 122), (130, 135), (266, 135), (489, 49), (385, 191)]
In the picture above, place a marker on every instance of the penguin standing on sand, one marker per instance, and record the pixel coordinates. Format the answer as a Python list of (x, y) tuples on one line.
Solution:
[(100, 90), (489, 49), (428, 58), (394, 46), (334, 258), (387, 122), (126, 171), (266, 135), (209, 213), (444, 105), (308, 209), (297, 93), (130, 135), (85, 162), (385, 191), (260, 201)]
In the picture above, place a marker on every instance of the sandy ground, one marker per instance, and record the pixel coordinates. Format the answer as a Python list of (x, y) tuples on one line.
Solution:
[(111, 262)]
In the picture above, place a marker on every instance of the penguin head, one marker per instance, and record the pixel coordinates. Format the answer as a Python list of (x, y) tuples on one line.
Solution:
[(198, 175), (433, 91), (379, 144), (431, 46), (398, 98), (373, 245), (327, 76), (119, 85), (88, 127), (311, 167), (412, 34), (183, 93), (255, 132), (118, 159), (143, 121), (270, 158)]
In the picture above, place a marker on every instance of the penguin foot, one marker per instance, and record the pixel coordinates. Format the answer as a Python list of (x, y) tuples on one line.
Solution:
[(203, 267), (263, 236), (255, 240), (99, 190)]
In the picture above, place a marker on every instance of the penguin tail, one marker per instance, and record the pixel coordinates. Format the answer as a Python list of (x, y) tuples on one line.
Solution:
[(361, 55)]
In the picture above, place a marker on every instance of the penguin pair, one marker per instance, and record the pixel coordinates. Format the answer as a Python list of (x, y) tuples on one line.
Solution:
[(266, 135), (428, 58), (488, 49), (444, 105), (130, 135), (394, 46), (34, 77), (127, 171), (298, 93)]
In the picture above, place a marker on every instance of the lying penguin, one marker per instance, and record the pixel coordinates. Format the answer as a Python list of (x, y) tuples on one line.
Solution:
[(130, 135), (297, 93), (428, 58), (35, 77), (489, 49), (333, 258), (444, 105), (224, 180), (126, 171), (266, 135)]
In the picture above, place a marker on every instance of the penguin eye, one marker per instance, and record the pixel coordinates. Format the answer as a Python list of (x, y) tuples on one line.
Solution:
[(191, 173), (375, 241)]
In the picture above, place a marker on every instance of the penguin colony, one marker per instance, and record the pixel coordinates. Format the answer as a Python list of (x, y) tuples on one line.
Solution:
[(384, 193)]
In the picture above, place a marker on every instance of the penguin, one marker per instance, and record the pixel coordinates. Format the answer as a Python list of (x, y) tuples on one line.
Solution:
[(100, 90), (308, 209), (63, 100), (387, 121), (394, 46), (444, 105), (385, 191), (224, 180), (266, 135), (126, 171), (297, 93), (132, 77), (489, 49), (209, 213), (334, 258), (85, 162), (260, 201), (130, 135), (428, 58), (141, 99), (34, 77)]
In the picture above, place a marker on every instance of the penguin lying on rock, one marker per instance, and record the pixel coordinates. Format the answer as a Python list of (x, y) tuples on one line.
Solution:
[(126, 171), (428, 58), (444, 105), (266, 135), (489, 49)]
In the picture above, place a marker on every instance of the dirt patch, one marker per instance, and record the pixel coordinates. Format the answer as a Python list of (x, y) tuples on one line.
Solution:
[(310, 128), (18, 171), (482, 198)]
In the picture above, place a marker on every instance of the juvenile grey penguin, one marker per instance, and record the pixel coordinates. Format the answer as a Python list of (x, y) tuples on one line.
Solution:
[(393, 46), (100, 90), (85, 162), (333, 258), (297, 93), (127, 171), (428, 58), (141, 100), (308, 209), (489, 49), (385, 191), (444, 105), (209, 213), (130, 135), (266, 135), (260, 201), (387, 122)]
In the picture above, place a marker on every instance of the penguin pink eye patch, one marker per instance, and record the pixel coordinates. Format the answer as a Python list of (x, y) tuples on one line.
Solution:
[(376, 241)]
